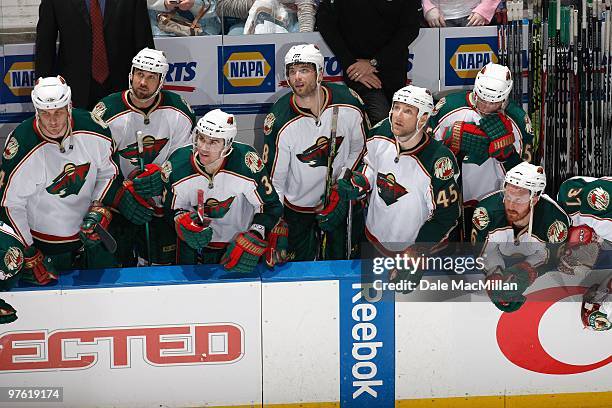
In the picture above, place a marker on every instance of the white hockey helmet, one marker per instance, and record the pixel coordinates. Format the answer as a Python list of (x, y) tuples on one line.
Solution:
[(217, 124), (51, 93), (527, 176), (150, 60), (493, 83), (305, 54), (415, 96)]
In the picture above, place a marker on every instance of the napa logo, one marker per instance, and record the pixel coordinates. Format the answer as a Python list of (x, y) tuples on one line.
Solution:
[(466, 56), (246, 68), (18, 79)]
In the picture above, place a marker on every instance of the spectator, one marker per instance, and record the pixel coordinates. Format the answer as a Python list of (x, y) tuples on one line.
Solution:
[(371, 39), (183, 17), (97, 40), (459, 13)]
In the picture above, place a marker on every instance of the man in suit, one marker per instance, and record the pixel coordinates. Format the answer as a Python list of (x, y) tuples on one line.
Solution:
[(97, 41)]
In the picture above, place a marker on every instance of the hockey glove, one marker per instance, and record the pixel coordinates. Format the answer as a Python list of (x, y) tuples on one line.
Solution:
[(334, 213), (244, 252), (132, 206), (499, 130), (96, 214), (596, 311), (38, 269), (355, 188), (192, 231), (580, 252), (467, 139), (8, 314), (523, 274), (147, 183), (278, 244)]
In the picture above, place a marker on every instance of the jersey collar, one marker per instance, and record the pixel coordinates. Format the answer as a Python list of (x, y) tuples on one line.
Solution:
[(132, 107), (327, 97), (199, 167), (416, 149)]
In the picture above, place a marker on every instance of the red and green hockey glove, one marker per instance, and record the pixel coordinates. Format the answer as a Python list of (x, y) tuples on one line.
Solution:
[(580, 252), (244, 252), (147, 183), (467, 139), (96, 214), (8, 314), (523, 274), (38, 269), (499, 130), (334, 213), (132, 206), (192, 231), (278, 244), (354, 188)]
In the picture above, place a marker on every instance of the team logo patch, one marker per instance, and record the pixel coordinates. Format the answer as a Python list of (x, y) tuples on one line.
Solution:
[(97, 114), (70, 181), (268, 123), (388, 189), (11, 148), (598, 199), (317, 154), (557, 232), (13, 259), (443, 168), (214, 208), (438, 106), (481, 218), (253, 162), (151, 148), (599, 321), (166, 170)]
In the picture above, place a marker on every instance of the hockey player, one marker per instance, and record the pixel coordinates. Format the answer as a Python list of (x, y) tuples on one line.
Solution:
[(297, 143), (518, 222), (164, 121), (587, 201), (56, 174), (224, 206), (11, 264), (416, 197), (487, 132)]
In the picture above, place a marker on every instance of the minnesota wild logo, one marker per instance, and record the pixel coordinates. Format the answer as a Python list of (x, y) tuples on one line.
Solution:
[(151, 148), (317, 154), (389, 189), (70, 181), (214, 208)]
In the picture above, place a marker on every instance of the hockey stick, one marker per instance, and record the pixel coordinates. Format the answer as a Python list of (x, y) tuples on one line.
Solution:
[(139, 140), (201, 205), (349, 219), (330, 172), (106, 238)]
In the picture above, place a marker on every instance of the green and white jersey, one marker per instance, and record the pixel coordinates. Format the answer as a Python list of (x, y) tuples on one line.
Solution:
[(587, 201), (166, 126), (415, 197), (296, 146), (498, 241), (238, 195), (478, 181), (47, 187)]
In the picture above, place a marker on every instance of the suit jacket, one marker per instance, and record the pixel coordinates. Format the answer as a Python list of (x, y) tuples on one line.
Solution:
[(126, 31)]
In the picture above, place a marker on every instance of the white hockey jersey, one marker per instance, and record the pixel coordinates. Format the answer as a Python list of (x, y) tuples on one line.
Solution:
[(48, 187), (296, 147)]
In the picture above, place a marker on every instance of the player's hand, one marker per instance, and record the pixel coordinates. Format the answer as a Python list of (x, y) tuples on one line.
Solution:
[(190, 229), (278, 244), (97, 214), (132, 206), (244, 252), (334, 213), (147, 183), (475, 19), (38, 268), (435, 18), (360, 68), (354, 188), (370, 81)]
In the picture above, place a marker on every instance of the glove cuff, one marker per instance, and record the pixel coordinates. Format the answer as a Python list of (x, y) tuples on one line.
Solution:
[(256, 248)]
